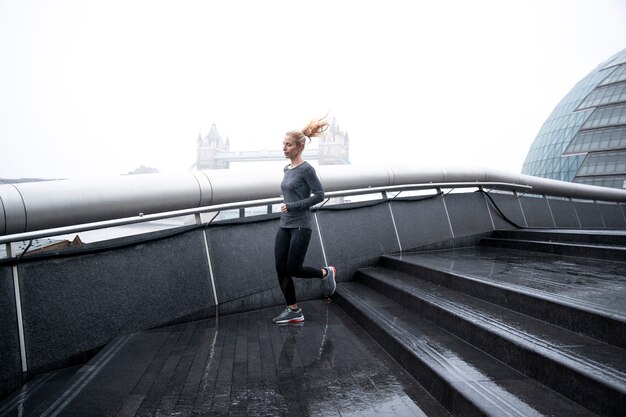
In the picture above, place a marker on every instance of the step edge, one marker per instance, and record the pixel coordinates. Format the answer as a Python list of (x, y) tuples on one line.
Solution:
[(618, 248), (606, 314), (617, 383), (476, 401)]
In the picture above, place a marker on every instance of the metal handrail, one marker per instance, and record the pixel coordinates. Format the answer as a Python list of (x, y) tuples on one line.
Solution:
[(30, 207), (141, 218), (426, 186)]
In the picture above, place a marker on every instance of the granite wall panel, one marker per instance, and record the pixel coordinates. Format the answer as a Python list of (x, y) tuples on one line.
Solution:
[(468, 214), (10, 358), (612, 215), (589, 215), (75, 304), (421, 222), (355, 237), (564, 213), (510, 207), (536, 212)]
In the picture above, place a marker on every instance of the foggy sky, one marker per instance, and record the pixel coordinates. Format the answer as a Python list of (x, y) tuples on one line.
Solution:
[(95, 88)]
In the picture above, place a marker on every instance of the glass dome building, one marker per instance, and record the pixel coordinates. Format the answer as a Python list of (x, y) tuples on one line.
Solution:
[(584, 138)]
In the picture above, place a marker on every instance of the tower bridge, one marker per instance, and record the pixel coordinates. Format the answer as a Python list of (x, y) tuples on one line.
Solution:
[(214, 152)]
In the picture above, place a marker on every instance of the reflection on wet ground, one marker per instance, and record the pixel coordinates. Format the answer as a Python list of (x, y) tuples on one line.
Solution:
[(245, 365), (598, 283)]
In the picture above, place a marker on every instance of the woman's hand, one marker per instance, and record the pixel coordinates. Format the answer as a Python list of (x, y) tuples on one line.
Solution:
[(283, 208)]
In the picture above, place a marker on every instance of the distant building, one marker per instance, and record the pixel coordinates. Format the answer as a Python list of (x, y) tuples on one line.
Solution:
[(144, 170), (40, 245), (214, 152), (50, 245), (584, 138)]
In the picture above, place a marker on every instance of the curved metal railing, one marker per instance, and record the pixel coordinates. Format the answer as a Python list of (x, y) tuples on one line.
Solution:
[(31, 210)]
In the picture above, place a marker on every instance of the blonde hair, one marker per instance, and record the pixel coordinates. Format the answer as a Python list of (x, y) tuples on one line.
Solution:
[(316, 127)]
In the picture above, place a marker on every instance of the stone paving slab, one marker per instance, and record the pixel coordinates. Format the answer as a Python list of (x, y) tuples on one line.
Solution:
[(244, 365)]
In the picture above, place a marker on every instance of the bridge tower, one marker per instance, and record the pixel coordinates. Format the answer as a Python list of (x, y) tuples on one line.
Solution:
[(334, 146), (208, 148)]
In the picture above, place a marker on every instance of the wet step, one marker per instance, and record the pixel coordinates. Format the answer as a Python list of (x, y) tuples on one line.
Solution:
[(596, 251), (591, 237), (587, 296), (466, 380), (583, 369), (598, 245)]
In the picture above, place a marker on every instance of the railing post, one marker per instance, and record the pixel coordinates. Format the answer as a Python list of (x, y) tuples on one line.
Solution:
[(519, 201), (208, 258), (545, 197), (493, 225), (580, 225), (319, 233), (395, 227), (445, 207), (18, 310), (600, 211)]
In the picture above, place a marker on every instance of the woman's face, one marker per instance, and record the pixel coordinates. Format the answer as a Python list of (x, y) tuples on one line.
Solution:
[(291, 149)]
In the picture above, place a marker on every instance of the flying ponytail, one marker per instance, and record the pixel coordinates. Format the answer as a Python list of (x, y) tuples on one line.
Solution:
[(316, 127)]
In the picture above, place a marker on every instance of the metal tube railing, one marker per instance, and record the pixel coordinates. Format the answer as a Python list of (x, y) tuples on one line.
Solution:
[(31, 207), (141, 218)]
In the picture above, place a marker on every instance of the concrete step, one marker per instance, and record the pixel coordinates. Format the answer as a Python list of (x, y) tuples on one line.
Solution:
[(590, 237), (597, 244), (465, 379), (583, 369), (607, 252), (582, 295)]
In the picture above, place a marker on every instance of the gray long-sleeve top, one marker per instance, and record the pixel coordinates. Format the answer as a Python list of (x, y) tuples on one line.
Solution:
[(301, 189)]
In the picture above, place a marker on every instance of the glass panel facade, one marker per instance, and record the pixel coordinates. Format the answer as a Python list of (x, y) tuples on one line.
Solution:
[(590, 118), (598, 140), (617, 59), (619, 74), (607, 116), (603, 163), (544, 157), (611, 94), (614, 181)]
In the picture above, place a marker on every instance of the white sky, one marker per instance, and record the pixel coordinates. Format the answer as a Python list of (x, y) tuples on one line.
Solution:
[(100, 87)]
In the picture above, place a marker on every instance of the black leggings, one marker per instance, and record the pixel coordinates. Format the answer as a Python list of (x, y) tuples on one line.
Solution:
[(289, 252)]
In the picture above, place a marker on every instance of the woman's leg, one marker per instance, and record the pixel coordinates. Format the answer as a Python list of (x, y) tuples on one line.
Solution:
[(290, 250), (300, 239), (281, 257)]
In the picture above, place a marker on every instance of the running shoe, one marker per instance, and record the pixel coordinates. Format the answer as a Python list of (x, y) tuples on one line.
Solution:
[(289, 316), (330, 284)]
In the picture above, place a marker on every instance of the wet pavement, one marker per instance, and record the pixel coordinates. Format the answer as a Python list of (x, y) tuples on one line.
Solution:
[(241, 365)]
